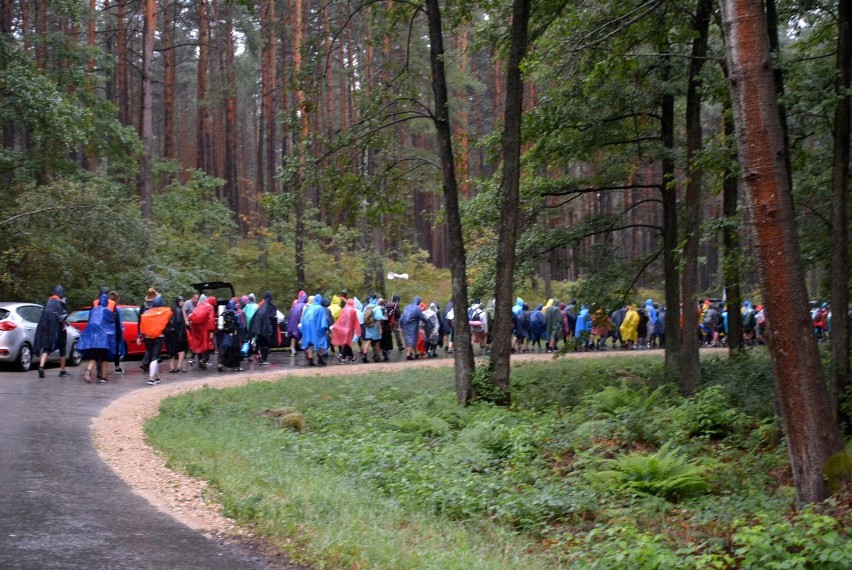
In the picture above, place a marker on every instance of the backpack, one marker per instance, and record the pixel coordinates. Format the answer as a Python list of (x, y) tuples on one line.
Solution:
[(154, 321), (392, 314), (475, 320), (229, 321), (369, 319)]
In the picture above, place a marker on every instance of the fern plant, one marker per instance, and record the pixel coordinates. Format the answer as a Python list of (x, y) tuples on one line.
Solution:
[(666, 473)]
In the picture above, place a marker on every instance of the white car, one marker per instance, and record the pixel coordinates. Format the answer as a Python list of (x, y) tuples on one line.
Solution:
[(18, 323)]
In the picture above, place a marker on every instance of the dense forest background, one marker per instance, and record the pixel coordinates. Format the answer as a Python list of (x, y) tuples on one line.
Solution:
[(605, 145), (287, 143)]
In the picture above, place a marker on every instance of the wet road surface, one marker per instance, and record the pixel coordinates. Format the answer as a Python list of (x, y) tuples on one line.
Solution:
[(62, 507)]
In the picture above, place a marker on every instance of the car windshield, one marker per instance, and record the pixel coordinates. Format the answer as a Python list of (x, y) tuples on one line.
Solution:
[(81, 316), (3, 314), (128, 314)]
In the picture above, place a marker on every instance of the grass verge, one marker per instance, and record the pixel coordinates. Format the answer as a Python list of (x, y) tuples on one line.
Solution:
[(597, 464)]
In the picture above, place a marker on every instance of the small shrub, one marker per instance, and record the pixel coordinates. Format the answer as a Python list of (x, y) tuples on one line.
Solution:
[(706, 414), (666, 473), (809, 541)]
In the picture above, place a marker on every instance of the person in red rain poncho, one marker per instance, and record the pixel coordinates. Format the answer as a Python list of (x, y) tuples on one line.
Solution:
[(202, 325), (344, 330)]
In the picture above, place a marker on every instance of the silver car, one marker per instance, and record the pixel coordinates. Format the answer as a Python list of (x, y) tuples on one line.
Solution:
[(17, 330)]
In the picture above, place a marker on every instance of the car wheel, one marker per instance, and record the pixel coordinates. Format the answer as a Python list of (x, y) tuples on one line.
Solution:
[(75, 357), (25, 358)]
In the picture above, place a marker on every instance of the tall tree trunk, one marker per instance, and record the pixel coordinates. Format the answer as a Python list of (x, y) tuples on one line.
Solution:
[(232, 192), (839, 217), (510, 201), (203, 110), (812, 433), (670, 230), (147, 123), (170, 11), (463, 353), (731, 256), (269, 99), (123, 101), (299, 194), (690, 371)]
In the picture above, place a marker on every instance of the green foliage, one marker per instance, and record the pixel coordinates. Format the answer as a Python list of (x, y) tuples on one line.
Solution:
[(838, 471), (569, 470), (810, 540), (667, 473), (706, 414), (82, 233)]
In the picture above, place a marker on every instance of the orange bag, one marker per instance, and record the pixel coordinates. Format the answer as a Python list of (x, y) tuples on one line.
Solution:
[(154, 321)]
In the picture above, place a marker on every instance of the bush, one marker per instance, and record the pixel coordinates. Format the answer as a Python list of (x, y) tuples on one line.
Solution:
[(706, 414), (666, 473), (809, 541)]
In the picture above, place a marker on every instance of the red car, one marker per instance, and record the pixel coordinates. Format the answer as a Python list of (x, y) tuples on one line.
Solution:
[(129, 319)]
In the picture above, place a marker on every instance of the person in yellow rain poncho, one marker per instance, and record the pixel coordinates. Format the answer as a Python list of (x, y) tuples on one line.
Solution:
[(630, 328), (336, 306)]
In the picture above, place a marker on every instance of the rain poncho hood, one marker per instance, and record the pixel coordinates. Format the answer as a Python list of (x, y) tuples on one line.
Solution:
[(411, 318), (295, 317), (346, 327), (518, 307), (100, 330), (315, 325)]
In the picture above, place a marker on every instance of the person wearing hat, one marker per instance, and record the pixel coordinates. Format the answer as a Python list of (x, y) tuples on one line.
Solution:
[(50, 332), (146, 304)]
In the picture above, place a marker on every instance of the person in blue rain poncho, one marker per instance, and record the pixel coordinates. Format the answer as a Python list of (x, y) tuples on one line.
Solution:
[(412, 316), (97, 341), (315, 331)]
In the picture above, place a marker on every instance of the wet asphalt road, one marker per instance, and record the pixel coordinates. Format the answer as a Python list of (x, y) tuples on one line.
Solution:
[(62, 507)]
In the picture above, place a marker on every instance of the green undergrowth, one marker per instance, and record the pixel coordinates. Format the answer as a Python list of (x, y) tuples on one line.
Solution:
[(597, 464)]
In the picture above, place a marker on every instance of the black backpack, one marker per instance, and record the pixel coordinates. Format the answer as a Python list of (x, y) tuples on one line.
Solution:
[(229, 321)]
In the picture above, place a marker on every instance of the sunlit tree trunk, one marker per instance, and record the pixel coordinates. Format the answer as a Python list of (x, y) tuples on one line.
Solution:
[(510, 201), (690, 371), (812, 434), (463, 353)]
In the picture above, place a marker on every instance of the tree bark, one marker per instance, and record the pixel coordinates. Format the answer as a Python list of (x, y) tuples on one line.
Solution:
[(731, 256), (812, 433), (690, 371), (299, 194), (670, 230), (203, 112), (232, 191), (510, 200), (839, 217), (169, 78), (147, 122), (463, 353), (123, 95)]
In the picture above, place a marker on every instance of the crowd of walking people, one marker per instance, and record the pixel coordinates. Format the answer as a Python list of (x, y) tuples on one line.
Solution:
[(194, 331)]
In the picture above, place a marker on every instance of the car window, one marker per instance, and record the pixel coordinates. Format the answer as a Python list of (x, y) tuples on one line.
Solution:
[(3, 314), (31, 313), (129, 314), (81, 316)]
